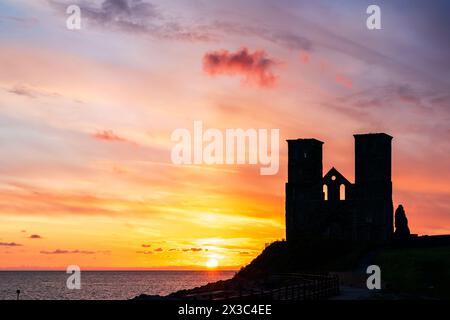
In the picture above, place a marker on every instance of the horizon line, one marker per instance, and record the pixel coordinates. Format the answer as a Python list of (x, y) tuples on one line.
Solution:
[(123, 269)]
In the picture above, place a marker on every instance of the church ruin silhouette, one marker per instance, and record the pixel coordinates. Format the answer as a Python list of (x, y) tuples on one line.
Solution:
[(329, 206)]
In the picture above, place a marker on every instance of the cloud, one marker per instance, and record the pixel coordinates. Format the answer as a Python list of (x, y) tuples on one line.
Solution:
[(35, 236), (326, 69), (108, 135), (254, 67), (384, 96), (344, 81), (158, 249), (304, 57), (146, 245), (30, 91), (10, 244), (137, 17), (22, 21), (123, 14), (22, 90), (59, 251), (193, 249), (406, 94), (144, 252), (283, 38)]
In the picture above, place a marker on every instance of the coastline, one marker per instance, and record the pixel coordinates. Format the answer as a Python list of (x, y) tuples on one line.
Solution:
[(335, 270)]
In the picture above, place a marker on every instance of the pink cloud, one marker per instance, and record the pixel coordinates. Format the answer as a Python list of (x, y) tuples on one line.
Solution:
[(327, 69), (344, 81), (304, 57), (108, 135), (254, 67)]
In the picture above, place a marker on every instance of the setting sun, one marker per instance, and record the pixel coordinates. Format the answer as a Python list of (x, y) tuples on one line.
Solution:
[(212, 263)]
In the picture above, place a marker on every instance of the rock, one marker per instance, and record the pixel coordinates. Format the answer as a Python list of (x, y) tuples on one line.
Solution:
[(401, 223)]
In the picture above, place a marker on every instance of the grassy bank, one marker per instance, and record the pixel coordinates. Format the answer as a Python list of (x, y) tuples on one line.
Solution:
[(305, 256), (423, 271)]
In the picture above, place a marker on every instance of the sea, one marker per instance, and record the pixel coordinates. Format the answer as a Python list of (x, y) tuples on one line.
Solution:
[(102, 285)]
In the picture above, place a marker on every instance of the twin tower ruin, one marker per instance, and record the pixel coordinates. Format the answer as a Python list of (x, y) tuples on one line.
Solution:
[(329, 206)]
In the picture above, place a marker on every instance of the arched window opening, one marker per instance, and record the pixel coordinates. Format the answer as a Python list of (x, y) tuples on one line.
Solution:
[(342, 192), (325, 192)]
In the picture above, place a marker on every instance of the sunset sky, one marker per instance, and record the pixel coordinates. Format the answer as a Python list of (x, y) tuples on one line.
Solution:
[(86, 118)]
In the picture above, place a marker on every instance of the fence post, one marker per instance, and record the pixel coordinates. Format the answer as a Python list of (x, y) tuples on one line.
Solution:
[(338, 288), (316, 287), (319, 288)]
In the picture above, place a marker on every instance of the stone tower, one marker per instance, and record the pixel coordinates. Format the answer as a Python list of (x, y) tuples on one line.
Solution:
[(373, 185), (304, 187)]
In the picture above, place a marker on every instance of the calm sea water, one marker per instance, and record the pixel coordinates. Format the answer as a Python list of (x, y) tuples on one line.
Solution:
[(99, 285)]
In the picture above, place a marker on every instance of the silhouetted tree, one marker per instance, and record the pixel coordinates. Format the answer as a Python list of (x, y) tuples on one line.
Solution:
[(401, 223)]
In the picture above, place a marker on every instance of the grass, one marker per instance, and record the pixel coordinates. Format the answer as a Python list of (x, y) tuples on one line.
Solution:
[(423, 271)]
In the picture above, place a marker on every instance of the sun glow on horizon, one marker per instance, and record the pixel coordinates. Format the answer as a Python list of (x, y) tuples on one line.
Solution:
[(212, 263)]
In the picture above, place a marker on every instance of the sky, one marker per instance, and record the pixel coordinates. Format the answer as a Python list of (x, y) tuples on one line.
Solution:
[(86, 118)]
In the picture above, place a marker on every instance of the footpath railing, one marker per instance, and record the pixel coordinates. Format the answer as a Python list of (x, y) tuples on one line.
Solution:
[(298, 287)]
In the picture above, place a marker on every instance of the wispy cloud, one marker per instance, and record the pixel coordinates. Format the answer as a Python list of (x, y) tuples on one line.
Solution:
[(192, 249), (29, 91), (23, 21), (344, 81), (10, 244), (144, 252), (108, 135), (22, 90), (138, 17), (281, 37), (59, 251)]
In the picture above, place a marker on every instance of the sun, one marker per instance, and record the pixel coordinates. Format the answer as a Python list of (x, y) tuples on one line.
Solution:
[(212, 263)]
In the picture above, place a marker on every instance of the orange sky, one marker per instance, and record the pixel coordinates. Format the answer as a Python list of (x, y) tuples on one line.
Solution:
[(86, 118)]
